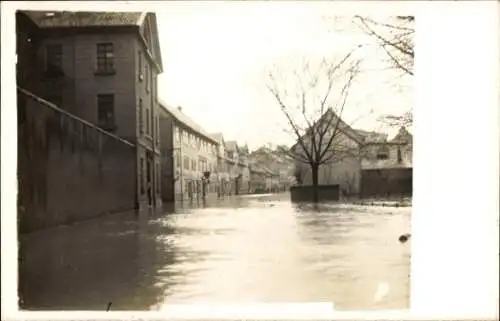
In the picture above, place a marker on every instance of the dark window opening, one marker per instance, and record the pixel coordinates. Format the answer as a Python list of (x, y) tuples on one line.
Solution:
[(382, 156), (141, 176), (400, 157), (105, 58), (105, 107), (141, 117), (148, 122)]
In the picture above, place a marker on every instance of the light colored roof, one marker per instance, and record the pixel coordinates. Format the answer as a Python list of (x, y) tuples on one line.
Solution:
[(58, 19), (218, 137), (186, 120)]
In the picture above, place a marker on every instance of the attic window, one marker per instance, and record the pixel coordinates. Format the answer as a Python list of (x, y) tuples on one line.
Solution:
[(50, 14)]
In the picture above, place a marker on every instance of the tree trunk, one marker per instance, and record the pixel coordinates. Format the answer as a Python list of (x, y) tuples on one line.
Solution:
[(315, 172)]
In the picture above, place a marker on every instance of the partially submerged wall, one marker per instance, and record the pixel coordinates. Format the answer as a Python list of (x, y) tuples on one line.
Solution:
[(305, 193), (68, 169), (386, 182)]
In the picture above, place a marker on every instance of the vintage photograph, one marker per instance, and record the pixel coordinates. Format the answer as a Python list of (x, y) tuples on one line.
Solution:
[(214, 152)]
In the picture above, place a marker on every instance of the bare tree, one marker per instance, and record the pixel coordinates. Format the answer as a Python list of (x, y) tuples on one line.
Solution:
[(395, 37), (312, 100)]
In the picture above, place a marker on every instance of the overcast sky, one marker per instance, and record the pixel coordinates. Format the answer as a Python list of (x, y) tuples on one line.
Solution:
[(215, 55)]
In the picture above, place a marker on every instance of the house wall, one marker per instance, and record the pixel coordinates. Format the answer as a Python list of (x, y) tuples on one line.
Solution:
[(168, 173), (80, 86), (69, 170)]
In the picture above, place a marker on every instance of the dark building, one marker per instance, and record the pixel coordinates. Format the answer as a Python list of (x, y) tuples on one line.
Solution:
[(101, 67)]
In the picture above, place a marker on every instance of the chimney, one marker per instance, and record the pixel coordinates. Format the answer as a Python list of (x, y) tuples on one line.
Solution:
[(180, 108)]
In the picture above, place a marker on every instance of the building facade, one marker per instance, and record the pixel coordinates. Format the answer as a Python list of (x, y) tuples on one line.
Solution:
[(102, 67), (189, 166)]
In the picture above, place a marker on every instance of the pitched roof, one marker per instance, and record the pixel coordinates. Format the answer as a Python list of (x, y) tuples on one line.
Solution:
[(182, 118), (80, 19), (58, 19), (218, 137)]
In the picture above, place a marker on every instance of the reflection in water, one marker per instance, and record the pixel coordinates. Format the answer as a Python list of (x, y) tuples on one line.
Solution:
[(248, 249)]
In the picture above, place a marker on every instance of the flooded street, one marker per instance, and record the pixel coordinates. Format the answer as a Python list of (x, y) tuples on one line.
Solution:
[(246, 250)]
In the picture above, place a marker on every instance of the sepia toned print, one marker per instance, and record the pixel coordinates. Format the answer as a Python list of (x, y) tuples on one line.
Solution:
[(163, 159)]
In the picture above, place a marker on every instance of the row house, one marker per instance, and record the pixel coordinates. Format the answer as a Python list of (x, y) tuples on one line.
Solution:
[(189, 157), (233, 174), (101, 67), (237, 162)]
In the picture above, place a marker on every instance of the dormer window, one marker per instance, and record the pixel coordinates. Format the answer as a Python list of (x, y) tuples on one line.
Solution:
[(382, 153)]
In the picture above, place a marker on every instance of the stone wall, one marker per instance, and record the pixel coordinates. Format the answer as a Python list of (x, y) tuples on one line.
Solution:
[(68, 169), (386, 182), (304, 193)]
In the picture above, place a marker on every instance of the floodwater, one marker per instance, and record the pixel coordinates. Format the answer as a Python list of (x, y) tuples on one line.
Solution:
[(249, 249)]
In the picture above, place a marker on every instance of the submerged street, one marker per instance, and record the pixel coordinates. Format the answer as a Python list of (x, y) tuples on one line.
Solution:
[(248, 249)]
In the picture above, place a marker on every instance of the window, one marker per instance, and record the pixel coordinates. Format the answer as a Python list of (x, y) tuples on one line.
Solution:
[(177, 160), (193, 165), (54, 58), (105, 58), (139, 64), (147, 76), (105, 111), (141, 176), (400, 157), (382, 156), (186, 162), (383, 153), (141, 117), (148, 122), (178, 134)]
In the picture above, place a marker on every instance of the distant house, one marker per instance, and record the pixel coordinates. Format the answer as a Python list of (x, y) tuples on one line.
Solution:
[(278, 163), (366, 150), (263, 179), (189, 167)]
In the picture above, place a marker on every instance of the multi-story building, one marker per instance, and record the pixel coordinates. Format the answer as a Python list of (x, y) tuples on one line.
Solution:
[(189, 163), (102, 67)]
